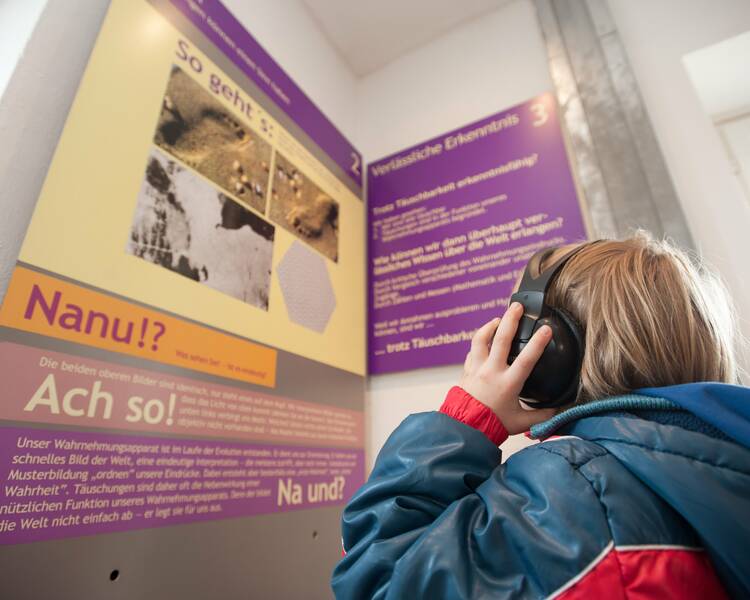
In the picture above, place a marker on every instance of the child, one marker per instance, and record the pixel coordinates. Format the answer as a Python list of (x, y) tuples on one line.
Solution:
[(642, 492)]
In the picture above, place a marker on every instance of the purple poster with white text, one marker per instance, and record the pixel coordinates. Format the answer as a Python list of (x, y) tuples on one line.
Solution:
[(452, 222)]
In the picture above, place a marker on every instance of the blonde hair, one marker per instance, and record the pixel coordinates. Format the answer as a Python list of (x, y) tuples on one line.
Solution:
[(650, 316)]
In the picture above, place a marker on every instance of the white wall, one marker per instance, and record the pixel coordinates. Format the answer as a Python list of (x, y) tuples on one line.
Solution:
[(721, 76), (46, 67), (657, 35), (17, 21), (476, 70)]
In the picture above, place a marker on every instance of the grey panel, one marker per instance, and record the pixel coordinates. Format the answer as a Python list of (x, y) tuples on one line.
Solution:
[(663, 194), (585, 159), (283, 555), (628, 190), (619, 162)]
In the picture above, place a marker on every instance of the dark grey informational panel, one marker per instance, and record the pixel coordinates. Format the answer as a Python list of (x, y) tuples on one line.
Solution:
[(286, 555)]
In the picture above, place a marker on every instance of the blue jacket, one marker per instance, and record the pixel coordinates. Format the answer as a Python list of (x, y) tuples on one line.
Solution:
[(638, 497)]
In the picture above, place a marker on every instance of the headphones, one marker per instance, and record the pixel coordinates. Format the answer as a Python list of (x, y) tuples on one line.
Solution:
[(554, 380)]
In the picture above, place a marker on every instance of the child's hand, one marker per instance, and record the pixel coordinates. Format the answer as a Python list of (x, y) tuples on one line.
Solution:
[(488, 377)]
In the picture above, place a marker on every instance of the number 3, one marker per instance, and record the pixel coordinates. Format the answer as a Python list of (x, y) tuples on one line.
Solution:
[(541, 114)]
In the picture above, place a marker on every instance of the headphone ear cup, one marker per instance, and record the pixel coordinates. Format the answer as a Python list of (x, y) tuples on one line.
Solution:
[(554, 380), (577, 349)]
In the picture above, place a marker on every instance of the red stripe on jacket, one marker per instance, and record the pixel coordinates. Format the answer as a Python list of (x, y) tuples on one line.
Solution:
[(667, 574)]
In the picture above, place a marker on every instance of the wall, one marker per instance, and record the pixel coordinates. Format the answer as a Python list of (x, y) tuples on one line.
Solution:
[(34, 106), (480, 68), (17, 21), (657, 35)]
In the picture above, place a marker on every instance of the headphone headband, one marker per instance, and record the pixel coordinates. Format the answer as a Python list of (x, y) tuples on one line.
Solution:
[(532, 291), (554, 379), (541, 281)]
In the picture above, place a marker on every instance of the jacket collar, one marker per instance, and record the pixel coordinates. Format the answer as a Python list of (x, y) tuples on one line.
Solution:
[(725, 407), (628, 402)]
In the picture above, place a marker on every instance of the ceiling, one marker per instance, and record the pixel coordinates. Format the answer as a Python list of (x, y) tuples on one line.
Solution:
[(720, 75), (369, 34)]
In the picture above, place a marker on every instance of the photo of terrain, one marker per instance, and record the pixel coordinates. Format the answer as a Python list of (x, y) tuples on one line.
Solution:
[(302, 208), (186, 225), (196, 128)]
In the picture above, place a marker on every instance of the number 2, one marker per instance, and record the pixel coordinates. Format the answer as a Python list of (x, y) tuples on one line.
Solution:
[(356, 162)]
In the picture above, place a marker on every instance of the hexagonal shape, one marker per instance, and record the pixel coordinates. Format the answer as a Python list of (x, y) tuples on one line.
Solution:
[(306, 287)]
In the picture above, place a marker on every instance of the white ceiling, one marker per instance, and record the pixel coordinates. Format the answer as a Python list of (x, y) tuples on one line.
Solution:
[(721, 75), (369, 34)]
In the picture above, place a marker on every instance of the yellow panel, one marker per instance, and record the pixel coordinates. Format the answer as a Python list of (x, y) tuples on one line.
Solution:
[(83, 218)]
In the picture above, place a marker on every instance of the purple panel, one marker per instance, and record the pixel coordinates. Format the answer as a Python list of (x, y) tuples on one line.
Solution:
[(452, 222), (59, 484), (219, 25)]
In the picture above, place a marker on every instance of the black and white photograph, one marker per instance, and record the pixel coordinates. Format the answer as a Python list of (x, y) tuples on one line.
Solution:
[(186, 225)]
